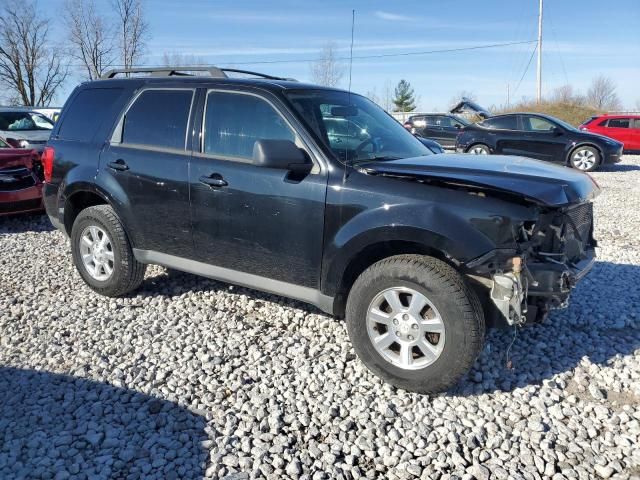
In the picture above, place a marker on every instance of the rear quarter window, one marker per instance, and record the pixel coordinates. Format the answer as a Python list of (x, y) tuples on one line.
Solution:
[(82, 118)]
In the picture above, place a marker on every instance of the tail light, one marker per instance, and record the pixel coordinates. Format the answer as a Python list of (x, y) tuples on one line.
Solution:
[(47, 163)]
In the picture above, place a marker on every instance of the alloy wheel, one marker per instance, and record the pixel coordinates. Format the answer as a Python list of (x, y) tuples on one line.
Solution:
[(584, 159), (96, 251), (479, 150), (405, 328)]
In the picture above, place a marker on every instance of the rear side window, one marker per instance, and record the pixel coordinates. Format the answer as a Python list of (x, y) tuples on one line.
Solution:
[(501, 123), (618, 123), (636, 123), (80, 117), (158, 118), (233, 122)]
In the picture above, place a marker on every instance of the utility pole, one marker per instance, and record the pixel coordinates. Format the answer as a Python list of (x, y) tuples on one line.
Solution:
[(539, 83), (508, 96)]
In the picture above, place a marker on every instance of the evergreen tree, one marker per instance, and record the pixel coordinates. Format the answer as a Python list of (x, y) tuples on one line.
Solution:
[(404, 99)]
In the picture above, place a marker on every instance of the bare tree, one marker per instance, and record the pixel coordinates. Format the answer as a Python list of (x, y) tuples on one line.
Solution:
[(132, 29), (373, 96), (327, 70), (175, 59), (602, 94), (91, 37), (30, 68)]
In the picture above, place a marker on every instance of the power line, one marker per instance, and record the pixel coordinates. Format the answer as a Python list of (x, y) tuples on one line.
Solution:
[(526, 68), (365, 57)]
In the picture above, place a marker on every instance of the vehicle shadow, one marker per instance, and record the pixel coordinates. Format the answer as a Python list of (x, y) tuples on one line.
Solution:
[(52, 423), (600, 324), (25, 222), (618, 167), (171, 282)]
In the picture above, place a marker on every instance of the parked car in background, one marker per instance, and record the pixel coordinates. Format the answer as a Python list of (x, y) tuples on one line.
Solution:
[(316, 194), (25, 128), (20, 180), (623, 128), (441, 127), (539, 136)]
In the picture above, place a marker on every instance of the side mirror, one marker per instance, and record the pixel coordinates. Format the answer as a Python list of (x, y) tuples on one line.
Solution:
[(280, 154), (458, 126)]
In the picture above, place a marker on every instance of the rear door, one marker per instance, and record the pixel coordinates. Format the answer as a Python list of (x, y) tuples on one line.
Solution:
[(619, 129), (505, 134), (146, 167), (634, 134), (259, 221)]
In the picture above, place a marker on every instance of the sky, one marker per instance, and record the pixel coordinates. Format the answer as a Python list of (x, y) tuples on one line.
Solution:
[(581, 40)]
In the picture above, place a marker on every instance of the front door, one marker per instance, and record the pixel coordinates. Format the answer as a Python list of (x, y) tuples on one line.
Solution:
[(255, 220), (544, 139), (146, 168)]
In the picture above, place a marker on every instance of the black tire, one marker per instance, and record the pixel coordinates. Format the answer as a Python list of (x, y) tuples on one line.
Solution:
[(476, 147), (457, 304), (127, 273), (585, 158)]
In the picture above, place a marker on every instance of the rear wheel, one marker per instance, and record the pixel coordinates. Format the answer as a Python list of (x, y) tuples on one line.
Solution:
[(102, 252), (415, 323), (585, 158), (479, 149)]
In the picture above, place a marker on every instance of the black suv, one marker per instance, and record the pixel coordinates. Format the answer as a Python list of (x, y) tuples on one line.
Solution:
[(441, 127), (238, 179), (539, 136)]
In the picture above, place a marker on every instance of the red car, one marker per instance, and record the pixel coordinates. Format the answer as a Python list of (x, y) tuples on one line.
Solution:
[(20, 180), (624, 128)]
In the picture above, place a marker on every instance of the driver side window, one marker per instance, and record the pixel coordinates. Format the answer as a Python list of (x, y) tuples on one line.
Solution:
[(537, 124), (234, 121)]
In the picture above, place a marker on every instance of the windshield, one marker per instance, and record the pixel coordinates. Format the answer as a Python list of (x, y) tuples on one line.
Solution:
[(24, 121), (353, 127), (564, 124)]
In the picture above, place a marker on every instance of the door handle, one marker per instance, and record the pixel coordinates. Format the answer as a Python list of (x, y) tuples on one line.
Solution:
[(119, 165), (214, 180)]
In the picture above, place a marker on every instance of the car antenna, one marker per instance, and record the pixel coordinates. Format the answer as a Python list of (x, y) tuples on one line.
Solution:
[(346, 150)]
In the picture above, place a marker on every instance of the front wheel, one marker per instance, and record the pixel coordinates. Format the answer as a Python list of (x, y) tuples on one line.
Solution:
[(586, 159), (415, 323), (479, 149)]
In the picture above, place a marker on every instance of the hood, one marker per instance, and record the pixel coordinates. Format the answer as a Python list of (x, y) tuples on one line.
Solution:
[(16, 157), (466, 105), (540, 182)]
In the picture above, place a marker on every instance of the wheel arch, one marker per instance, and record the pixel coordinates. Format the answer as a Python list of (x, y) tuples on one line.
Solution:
[(375, 252), (77, 200), (584, 144)]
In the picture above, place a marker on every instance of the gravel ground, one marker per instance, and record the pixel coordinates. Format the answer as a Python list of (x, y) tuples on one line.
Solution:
[(192, 378)]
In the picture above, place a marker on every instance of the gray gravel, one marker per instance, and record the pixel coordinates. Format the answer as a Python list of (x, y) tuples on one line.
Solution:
[(191, 378)]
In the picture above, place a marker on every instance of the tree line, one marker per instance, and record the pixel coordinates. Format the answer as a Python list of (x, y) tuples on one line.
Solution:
[(33, 67)]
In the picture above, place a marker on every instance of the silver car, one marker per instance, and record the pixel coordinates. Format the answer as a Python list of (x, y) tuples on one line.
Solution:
[(25, 128)]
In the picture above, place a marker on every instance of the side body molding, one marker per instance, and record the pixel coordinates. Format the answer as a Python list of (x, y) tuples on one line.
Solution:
[(304, 294)]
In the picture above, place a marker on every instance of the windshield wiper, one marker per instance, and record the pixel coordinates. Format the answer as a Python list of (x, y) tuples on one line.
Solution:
[(380, 158)]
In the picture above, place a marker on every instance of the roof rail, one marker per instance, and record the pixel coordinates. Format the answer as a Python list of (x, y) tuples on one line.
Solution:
[(214, 72)]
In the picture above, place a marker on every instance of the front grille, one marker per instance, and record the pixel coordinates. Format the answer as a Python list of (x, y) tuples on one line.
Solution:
[(580, 220), (19, 178), (577, 231)]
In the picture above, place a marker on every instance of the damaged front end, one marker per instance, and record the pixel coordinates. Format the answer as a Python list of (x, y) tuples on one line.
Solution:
[(550, 256)]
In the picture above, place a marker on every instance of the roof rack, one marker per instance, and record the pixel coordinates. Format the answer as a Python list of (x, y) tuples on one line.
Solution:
[(214, 72)]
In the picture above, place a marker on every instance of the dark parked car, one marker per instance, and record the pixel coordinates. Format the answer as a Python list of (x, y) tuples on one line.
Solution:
[(432, 145), (441, 127), (23, 127), (539, 136), (20, 180), (240, 180)]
